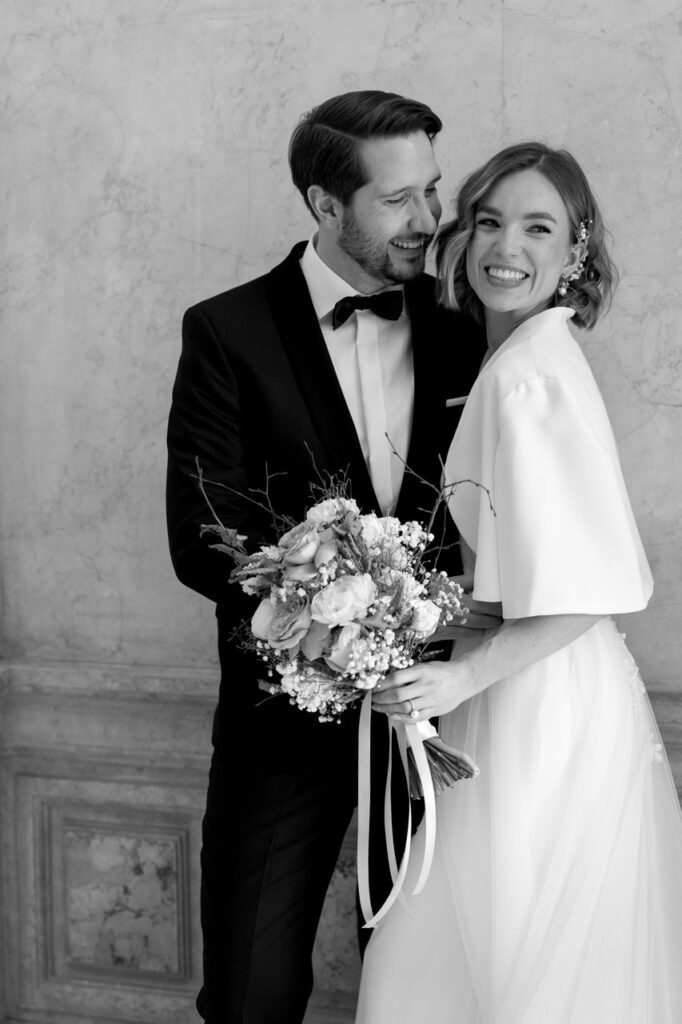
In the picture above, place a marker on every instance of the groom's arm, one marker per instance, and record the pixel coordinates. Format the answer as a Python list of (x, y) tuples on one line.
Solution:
[(205, 429)]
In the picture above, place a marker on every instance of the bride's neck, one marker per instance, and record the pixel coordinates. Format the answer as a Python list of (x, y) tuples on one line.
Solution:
[(498, 327)]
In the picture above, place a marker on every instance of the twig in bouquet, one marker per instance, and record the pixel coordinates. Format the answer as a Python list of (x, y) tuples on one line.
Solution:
[(442, 492), (449, 488), (271, 694), (330, 484), (200, 478), (435, 549), (278, 521), (411, 472)]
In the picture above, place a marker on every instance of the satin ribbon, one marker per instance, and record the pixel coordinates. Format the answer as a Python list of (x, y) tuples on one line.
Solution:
[(408, 736)]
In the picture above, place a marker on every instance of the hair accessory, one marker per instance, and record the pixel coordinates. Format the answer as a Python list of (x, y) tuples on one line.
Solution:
[(582, 237)]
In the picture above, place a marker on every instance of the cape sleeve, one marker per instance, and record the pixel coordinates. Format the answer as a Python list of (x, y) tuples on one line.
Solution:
[(561, 536)]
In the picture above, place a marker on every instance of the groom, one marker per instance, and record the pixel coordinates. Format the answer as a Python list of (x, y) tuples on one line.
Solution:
[(307, 370)]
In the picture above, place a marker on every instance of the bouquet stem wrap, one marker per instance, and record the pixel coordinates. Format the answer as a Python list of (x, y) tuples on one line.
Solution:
[(421, 763)]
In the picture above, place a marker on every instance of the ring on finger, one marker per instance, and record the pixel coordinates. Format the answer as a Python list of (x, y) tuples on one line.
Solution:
[(410, 707)]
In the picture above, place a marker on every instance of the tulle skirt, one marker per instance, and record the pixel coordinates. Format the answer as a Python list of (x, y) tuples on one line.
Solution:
[(555, 895)]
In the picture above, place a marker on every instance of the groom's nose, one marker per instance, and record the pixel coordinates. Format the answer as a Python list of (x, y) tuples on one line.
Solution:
[(424, 215)]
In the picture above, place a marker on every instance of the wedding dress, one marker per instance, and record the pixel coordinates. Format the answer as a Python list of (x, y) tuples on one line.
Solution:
[(555, 895)]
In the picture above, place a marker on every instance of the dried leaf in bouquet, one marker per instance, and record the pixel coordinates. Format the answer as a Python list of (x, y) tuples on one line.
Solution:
[(446, 765)]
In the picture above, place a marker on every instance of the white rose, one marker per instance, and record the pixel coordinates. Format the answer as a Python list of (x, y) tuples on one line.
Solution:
[(371, 530), (301, 573), (330, 510), (282, 624), (344, 599), (425, 618), (316, 642), (378, 530), (412, 588), (326, 552), (399, 558), (299, 544), (342, 648)]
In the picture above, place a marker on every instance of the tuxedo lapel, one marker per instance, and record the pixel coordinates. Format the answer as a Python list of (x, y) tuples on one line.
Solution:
[(300, 333), (447, 351), (430, 385)]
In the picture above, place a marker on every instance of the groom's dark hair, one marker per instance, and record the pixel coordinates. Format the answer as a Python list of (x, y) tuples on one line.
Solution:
[(324, 147)]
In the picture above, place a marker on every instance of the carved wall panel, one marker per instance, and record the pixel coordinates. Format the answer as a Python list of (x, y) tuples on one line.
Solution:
[(101, 803), (105, 889), (103, 773)]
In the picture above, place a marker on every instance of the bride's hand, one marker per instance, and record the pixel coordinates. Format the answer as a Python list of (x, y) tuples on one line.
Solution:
[(425, 690)]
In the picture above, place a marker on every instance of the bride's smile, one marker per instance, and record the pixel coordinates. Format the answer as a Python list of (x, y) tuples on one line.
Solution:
[(522, 244)]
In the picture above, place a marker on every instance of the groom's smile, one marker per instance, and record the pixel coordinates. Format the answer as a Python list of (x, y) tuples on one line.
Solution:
[(381, 235)]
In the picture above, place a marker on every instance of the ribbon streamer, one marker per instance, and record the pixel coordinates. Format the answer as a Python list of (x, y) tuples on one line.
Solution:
[(411, 736)]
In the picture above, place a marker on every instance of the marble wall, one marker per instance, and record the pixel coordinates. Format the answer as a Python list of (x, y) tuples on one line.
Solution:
[(143, 167)]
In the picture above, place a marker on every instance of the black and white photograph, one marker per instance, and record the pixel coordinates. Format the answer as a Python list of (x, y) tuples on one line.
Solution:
[(340, 534)]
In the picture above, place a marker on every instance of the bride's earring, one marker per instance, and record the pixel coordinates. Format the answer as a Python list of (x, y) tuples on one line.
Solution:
[(582, 238)]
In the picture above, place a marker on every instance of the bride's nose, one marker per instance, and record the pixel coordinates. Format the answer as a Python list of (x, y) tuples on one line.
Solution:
[(508, 241)]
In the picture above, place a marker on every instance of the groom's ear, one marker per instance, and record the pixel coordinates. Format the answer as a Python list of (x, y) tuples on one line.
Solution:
[(326, 208)]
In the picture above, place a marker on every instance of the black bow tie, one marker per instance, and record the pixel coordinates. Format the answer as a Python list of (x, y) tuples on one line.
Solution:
[(389, 305)]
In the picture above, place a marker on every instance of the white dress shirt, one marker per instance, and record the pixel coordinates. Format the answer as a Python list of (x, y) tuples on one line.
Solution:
[(372, 358)]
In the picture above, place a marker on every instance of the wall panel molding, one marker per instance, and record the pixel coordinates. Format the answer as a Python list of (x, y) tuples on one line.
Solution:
[(103, 772)]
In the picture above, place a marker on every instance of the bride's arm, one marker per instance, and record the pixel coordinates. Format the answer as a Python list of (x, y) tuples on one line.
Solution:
[(483, 616), (436, 687)]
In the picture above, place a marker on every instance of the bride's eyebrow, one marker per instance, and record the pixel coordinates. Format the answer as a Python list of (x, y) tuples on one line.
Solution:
[(533, 215), (539, 215)]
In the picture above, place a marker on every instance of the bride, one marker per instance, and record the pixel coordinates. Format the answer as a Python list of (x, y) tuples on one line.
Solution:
[(555, 895)]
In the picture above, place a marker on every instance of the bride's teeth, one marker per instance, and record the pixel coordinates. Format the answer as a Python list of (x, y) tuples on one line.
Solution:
[(506, 275), (407, 245)]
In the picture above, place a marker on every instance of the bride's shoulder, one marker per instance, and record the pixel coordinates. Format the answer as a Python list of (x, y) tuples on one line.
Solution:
[(541, 348)]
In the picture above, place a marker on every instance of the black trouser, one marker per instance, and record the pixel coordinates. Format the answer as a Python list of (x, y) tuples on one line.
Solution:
[(270, 845)]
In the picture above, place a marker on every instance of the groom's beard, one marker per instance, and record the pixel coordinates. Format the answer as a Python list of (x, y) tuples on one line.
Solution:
[(373, 255)]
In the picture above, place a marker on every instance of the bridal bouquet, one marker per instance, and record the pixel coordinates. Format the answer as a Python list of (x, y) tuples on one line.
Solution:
[(345, 599)]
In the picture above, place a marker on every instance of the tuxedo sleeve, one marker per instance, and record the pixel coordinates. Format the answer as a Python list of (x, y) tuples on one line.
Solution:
[(205, 431)]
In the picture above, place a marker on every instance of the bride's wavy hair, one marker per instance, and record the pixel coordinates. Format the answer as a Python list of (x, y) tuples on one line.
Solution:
[(590, 295)]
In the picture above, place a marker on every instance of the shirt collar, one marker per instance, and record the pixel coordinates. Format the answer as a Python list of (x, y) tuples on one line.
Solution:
[(324, 285)]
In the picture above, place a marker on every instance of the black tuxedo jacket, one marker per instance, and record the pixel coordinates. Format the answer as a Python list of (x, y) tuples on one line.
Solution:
[(257, 402)]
